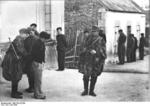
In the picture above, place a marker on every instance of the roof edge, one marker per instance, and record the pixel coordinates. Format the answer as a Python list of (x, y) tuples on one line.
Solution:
[(126, 11)]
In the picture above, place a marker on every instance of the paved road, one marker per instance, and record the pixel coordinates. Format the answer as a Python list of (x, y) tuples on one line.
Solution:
[(67, 86), (127, 82)]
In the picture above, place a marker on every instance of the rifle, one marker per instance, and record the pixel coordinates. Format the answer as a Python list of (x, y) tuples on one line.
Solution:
[(13, 48)]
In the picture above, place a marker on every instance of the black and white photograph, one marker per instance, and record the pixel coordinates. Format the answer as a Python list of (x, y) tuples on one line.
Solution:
[(74, 51)]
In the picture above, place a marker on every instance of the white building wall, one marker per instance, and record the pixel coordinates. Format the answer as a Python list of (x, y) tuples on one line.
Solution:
[(16, 15), (57, 15), (123, 20)]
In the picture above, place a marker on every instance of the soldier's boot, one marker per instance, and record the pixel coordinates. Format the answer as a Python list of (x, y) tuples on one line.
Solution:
[(86, 84), (92, 86), (15, 93)]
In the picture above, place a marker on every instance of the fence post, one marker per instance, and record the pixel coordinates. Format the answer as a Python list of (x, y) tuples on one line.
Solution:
[(75, 49)]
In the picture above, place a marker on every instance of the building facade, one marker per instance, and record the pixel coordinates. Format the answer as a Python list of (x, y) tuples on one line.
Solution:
[(118, 14), (129, 22)]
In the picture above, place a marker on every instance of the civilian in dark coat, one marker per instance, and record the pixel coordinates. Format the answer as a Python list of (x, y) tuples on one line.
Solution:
[(28, 43), (121, 47), (141, 47), (38, 57), (61, 47)]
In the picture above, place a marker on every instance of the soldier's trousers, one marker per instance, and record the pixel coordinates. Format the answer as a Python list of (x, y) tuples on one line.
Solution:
[(61, 59), (93, 81), (14, 87), (30, 75), (129, 55), (121, 54), (134, 55), (141, 53)]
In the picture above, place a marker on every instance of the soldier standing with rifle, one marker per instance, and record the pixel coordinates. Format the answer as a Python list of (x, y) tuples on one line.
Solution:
[(92, 65), (12, 64)]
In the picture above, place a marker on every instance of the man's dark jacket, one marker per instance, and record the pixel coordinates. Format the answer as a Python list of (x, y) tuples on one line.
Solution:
[(61, 42), (38, 51)]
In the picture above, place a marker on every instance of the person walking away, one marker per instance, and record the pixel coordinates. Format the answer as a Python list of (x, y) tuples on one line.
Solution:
[(12, 64), (141, 47), (61, 47), (121, 47), (95, 55), (38, 57)]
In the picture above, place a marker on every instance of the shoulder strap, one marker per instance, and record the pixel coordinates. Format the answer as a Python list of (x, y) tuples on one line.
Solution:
[(98, 38)]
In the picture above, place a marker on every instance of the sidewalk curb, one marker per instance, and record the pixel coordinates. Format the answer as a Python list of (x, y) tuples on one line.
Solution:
[(125, 71)]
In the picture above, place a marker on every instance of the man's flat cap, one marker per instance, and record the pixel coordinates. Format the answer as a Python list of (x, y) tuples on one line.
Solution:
[(24, 30), (44, 35)]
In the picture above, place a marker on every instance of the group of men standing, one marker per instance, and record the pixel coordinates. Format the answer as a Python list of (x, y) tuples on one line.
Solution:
[(25, 55), (132, 45)]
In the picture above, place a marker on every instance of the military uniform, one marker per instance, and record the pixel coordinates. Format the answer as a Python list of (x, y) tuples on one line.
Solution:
[(91, 65), (121, 48), (12, 66)]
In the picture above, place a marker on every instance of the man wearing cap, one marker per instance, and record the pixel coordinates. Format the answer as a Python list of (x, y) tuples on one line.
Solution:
[(61, 47), (95, 55), (12, 64), (28, 43)]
